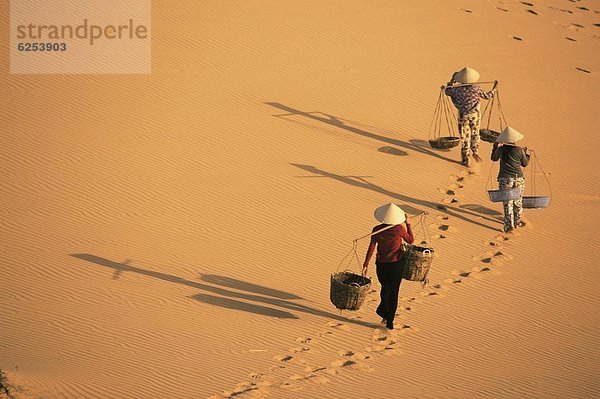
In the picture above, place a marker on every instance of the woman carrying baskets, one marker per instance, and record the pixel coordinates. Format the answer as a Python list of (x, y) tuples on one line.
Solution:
[(466, 97), (512, 160), (387, 238)]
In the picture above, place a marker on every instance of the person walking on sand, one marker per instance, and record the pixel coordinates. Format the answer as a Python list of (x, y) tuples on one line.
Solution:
[(512, 160), (466, 98), (389, 252)]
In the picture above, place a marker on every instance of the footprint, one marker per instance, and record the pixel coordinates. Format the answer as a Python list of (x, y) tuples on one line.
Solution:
[(450, 200), (343, 363), (583, 70), (502, 9), (446, 227), (502, 238), (502, 255), (297, 377), (571, 39), (376, 348), (379, 338), (338, 325), (527, 4), (255, 376), (442, 217), (464, 274), (306, 340), (283, 358), (360, 356), (517, 38), (406, 299), (354, 357), (485, 269), (315, 369), (391, 351), (438, 236), (322, 334), (242, 388), (290, 386), (532, 12), (300, 350)]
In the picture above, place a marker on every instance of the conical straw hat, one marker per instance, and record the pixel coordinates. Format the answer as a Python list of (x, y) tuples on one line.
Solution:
[(467, 75), (390, 214), (509, 135)]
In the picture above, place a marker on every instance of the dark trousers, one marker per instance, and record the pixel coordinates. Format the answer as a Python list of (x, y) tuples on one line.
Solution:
[(390, 277)]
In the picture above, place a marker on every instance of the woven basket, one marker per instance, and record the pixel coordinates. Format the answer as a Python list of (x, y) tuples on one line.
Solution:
[(348, 290), (504, 195), (443, 143), (488, 135), (535, 202), (417, 262)]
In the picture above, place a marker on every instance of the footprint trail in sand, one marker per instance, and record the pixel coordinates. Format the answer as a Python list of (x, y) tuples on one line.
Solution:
[(315, 362)]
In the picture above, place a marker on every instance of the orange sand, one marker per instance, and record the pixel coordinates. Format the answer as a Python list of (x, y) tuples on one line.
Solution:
[(171, 235)]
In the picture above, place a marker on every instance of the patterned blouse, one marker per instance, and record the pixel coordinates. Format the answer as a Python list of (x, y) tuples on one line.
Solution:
[(466, 98)]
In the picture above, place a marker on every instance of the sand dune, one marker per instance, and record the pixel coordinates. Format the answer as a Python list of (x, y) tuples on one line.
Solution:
[(172, 235)]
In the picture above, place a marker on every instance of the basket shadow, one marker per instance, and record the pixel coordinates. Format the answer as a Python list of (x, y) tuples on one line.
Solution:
[(246, 286), (480, 209), (392, 151), (340, 123), (229, 303), (265, 304)]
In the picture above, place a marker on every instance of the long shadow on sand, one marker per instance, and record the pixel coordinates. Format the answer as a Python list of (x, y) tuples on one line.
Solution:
[(226, 298), (358, 181), (413, 144)]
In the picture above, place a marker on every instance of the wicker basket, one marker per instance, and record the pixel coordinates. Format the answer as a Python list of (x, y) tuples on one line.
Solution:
[(417, 262), (348, 290), (444, 143), (535, 202), (504, 195), (488, 135)]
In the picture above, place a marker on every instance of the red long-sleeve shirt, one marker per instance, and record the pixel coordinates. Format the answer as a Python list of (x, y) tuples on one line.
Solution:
[(389, 243)]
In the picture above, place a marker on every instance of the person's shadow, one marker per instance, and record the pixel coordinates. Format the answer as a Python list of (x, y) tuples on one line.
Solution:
[(360, 181), (245, 296), (413, 144)]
